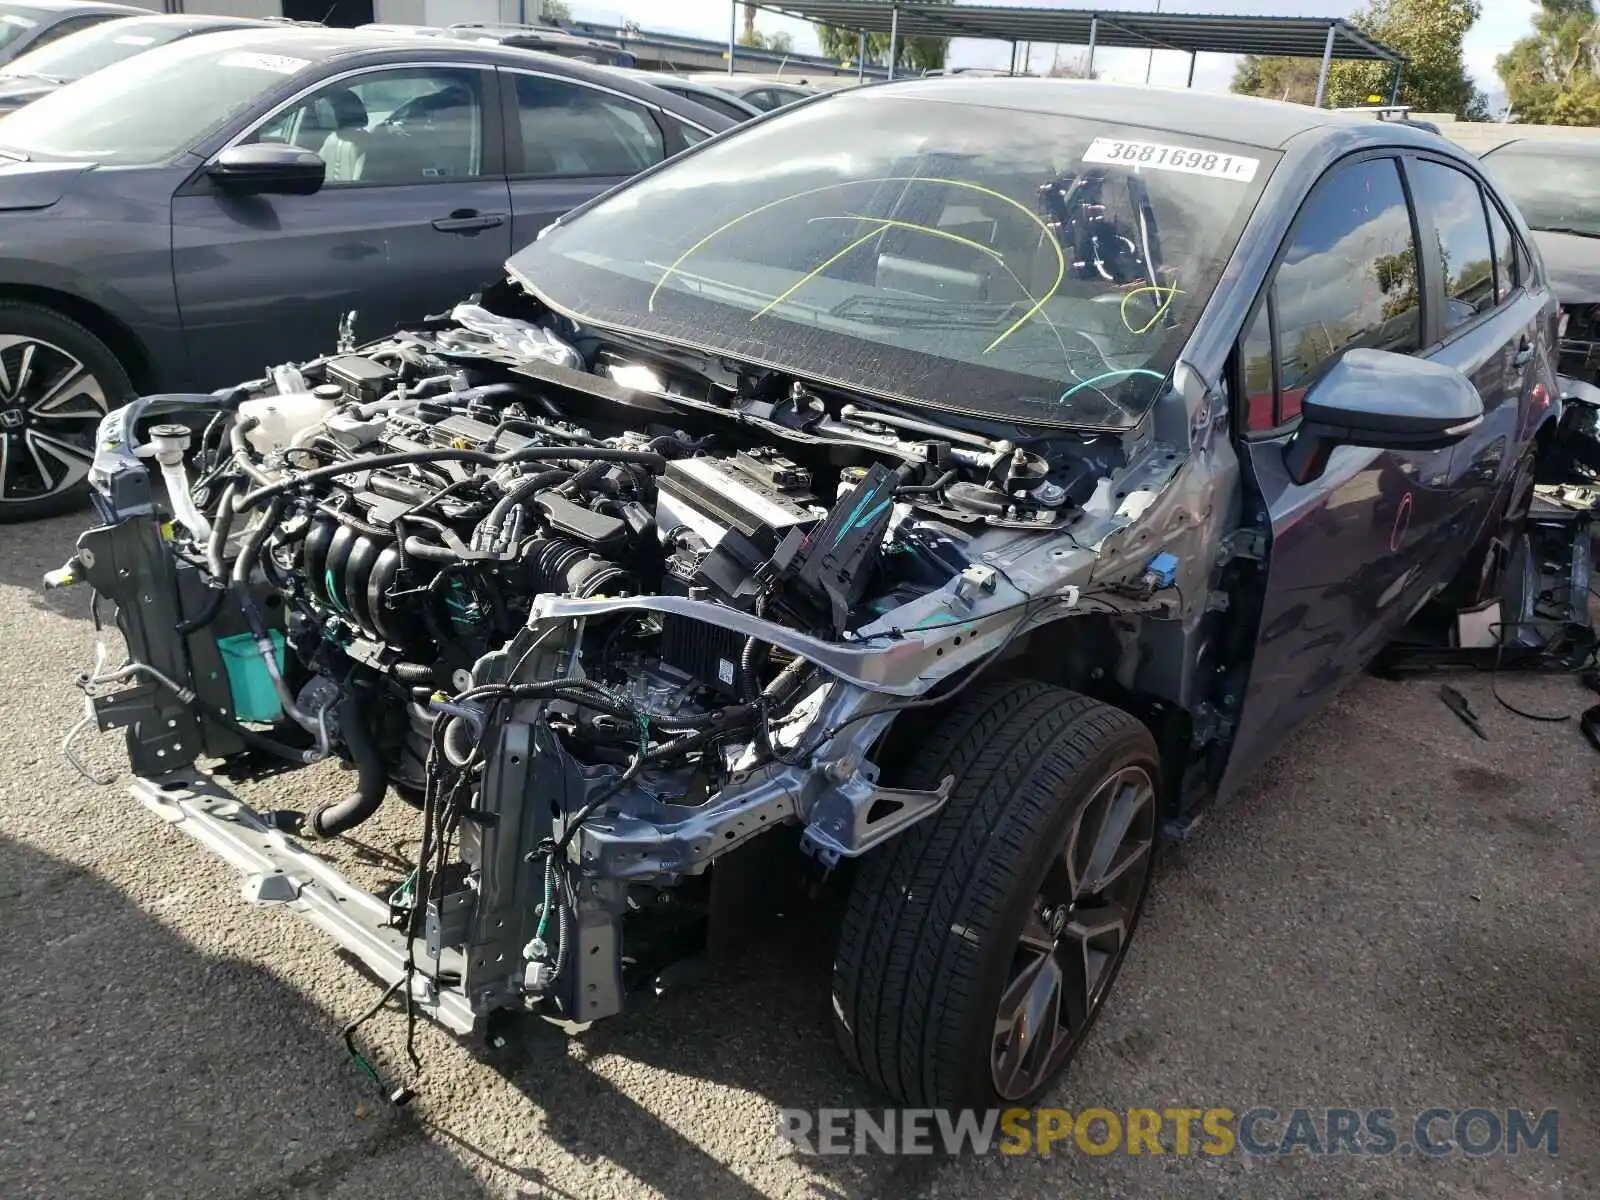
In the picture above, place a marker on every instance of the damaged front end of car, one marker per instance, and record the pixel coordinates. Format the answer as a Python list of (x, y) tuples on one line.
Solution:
[(605, 621)]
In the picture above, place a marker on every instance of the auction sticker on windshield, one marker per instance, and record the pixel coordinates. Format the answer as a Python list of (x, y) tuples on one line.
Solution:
[(1191, 161)]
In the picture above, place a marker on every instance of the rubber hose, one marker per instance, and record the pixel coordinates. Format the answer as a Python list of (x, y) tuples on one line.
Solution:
[(524, 454), (520, 490), (256, 741), (208, 611), (241, 450), (219, 534), (458, 742), (254, 540), (751, 660), (372, 777)]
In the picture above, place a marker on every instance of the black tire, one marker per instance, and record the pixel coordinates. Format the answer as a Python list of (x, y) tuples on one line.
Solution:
[(39, 350), (934, 926)]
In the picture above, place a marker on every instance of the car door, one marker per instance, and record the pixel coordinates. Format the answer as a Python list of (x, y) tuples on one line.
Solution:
[(1488, 328), (1354, 552), (570, 140), (413, 215)]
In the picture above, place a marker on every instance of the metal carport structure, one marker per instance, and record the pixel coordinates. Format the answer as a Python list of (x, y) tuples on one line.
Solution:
[(1326, 38)]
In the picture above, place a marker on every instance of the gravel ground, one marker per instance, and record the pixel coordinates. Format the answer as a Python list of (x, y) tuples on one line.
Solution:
[(1395, 914)]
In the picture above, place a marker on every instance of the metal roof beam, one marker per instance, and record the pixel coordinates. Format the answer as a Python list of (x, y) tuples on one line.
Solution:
[(1156, 43)]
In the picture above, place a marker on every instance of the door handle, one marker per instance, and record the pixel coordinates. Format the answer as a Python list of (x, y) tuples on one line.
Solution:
[(468, 220), (1524, 354)]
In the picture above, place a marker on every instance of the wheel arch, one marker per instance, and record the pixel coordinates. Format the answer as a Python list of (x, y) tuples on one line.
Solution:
[(118, 337), (1109, 657)]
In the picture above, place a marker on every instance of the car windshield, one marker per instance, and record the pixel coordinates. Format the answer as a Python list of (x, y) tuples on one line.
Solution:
[(1554, 189), (1002, 263), (17, 21), (151, 107), (89, 50)]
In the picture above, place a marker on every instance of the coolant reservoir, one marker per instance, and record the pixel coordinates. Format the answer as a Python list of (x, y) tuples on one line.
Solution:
[(281, 417)]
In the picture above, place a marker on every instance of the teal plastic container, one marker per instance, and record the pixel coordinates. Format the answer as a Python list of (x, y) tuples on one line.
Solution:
[(255, 698)]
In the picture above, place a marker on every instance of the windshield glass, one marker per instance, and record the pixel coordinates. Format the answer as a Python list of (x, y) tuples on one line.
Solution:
[(89, 50), (1554, 190), (151, 107), (1004, 263), (16, 22)]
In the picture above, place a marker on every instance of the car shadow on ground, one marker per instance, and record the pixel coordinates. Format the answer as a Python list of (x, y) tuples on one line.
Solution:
[(105, 1091)]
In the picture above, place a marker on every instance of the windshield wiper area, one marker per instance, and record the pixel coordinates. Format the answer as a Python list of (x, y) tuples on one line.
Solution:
[(910, 313), (1568, 229)]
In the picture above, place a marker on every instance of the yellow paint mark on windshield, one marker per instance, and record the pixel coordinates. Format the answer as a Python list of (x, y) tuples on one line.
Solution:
[(814, 272), (891, 223), (1038, 305), (1171, 293)]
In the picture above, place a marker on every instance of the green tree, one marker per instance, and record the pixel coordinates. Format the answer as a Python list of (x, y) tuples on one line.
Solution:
[(1552, 76), (1292, 79), (1427, 32), (914, 53)]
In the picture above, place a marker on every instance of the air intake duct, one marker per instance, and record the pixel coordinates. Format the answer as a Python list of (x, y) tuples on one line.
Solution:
[(562, 567)]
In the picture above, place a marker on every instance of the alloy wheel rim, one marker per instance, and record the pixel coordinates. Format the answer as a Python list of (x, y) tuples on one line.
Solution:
[(50, 407), (1076, 933)]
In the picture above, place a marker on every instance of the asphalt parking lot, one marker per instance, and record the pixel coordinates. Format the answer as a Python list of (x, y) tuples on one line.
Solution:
[(1395, 914)]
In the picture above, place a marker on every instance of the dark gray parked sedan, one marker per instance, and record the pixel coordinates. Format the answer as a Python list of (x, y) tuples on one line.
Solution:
[(973, 478), (225, 199)]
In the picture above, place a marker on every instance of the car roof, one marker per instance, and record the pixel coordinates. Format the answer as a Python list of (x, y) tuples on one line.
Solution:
[(355, 46), (693, 87), (1268, 124), (744, 82), (191, 21), (83, 6)]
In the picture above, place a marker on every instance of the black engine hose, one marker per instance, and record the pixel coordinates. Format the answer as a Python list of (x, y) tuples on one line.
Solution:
[(241, 450), (520, 491), (458, 743), (254, 540), (375, 462), (372, 777), (215, 565), (751, 660)]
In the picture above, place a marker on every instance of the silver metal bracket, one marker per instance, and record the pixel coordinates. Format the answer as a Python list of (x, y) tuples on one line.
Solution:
[(855, 814), (278, 870)]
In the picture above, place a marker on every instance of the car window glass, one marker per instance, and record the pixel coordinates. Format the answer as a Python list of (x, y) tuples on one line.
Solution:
[(781, 96), (419, 125), (717, 104), (1255, 358), (1505, 256), (62, 28), (570, 129), (763, 98), (1350, 275), (1450, 210), (691, 135)]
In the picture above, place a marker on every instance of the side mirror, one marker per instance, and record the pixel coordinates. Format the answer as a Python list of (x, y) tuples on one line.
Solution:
[(1384, 401), (267, 169)]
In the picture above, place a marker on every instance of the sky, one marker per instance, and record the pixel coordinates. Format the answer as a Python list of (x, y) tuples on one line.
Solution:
[(1502, 23)]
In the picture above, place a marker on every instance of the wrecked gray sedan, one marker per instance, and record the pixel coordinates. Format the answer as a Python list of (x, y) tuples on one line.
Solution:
[(948, 481)]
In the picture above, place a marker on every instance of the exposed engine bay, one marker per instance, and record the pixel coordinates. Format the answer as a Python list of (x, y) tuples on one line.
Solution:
[(602, 619)]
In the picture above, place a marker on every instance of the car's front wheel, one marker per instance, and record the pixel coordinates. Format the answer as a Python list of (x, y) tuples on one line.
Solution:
[(979, 946), (57, 379)]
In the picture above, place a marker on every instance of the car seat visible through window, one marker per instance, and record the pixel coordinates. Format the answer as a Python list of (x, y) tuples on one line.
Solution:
[(345, 149)]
